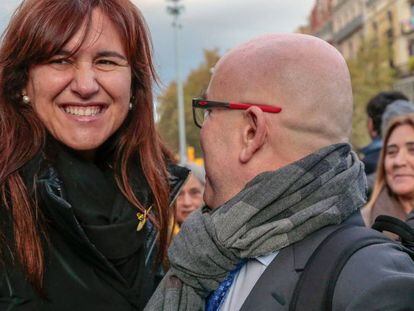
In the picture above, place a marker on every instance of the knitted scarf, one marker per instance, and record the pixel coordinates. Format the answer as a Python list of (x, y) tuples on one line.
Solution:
[(274, 210)]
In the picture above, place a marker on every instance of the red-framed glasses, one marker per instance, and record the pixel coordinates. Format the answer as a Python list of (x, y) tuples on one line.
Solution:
[(202, 106)]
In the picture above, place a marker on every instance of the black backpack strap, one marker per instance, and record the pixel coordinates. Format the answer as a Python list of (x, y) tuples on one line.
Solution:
[(398, 227), (315, 288)]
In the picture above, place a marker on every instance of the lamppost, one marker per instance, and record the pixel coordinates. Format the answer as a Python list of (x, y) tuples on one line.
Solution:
[(175, 9)]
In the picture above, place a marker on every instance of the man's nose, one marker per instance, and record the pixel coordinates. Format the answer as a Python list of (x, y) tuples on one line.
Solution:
[(84, 82)]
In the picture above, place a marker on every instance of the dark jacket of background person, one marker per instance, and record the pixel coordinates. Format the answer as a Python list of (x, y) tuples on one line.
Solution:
[(384, 200), (101, 278), (371, 154)]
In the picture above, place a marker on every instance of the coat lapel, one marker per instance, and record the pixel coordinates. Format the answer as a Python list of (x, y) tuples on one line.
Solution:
[(268, 293), (274, 289)]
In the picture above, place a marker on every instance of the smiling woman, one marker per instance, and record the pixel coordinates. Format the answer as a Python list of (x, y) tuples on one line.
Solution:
[(83, 98), (393, 192), (85, 180)]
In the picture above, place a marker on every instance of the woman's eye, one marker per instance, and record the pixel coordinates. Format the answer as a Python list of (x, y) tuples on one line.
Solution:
[(107, 64), (60, 61), (391, 152), (195, 192)]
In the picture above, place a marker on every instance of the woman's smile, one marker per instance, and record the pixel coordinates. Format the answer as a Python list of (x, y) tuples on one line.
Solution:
[(84, 112)]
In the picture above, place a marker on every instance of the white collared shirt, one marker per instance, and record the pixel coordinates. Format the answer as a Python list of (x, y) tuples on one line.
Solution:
[(244, 281)]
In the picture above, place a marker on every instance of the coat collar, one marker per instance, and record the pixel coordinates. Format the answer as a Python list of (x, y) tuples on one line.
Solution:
[(40, 176)]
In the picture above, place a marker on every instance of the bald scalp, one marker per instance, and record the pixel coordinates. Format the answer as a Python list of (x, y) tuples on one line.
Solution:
[(304, 75)]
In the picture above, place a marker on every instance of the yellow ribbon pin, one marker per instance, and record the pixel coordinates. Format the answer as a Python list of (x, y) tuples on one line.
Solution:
[(142, 218)]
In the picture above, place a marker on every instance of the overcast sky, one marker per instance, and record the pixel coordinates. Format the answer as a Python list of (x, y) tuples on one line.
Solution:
[(209, 24)]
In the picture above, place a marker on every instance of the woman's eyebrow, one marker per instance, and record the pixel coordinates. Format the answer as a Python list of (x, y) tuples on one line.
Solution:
[(99, 54), (111, 54)]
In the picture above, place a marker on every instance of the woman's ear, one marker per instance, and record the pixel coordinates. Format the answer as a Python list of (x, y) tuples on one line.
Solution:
[(254, 133)]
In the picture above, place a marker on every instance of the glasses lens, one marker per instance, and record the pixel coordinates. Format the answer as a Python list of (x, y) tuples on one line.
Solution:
[(199, 116)]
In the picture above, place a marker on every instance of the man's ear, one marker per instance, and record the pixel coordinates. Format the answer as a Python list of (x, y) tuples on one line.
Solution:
[(254, 133)]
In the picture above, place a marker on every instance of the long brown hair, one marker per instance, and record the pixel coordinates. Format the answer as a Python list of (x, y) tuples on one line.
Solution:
[(380, 181), (38, 30)]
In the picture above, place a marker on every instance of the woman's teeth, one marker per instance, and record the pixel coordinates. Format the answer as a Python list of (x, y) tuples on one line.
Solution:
[(83, 111)]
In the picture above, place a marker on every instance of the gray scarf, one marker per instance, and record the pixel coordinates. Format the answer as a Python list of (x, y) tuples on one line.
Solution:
[(274, 210)]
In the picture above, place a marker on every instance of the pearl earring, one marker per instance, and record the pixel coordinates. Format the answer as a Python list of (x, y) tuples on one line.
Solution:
[(26, 99), (132, 100)]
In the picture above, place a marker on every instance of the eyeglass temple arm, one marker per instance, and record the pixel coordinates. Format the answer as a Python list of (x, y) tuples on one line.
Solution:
[(264, 108)]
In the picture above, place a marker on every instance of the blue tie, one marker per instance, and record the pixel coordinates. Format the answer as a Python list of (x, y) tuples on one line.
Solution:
[(216, 298)]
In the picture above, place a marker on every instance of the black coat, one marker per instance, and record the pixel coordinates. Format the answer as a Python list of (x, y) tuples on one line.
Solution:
[(78, 276)]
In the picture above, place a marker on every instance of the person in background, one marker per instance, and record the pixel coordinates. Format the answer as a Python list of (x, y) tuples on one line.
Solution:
[(85, 181), (393, 192), (375, 109), (280, 173), (190, 197)]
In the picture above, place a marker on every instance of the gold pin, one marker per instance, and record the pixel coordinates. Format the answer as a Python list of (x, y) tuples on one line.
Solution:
[(142, 218)]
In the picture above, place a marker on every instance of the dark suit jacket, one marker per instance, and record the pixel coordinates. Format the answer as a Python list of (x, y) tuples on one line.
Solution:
[(378, 277)]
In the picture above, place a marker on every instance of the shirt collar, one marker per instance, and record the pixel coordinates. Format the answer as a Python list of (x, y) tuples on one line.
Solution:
[(267, 259)]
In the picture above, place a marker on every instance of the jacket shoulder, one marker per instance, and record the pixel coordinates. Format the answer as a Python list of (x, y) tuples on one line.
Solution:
[(377, 277)]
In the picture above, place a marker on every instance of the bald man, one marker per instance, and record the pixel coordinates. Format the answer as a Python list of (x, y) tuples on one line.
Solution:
[(275, 124)]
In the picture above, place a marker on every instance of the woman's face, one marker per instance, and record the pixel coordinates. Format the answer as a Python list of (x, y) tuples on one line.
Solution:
[(399, 161), (189, 199), (83, 99)]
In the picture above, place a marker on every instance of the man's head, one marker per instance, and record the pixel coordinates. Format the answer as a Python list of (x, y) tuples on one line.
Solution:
[(303, 75), (376, 107)]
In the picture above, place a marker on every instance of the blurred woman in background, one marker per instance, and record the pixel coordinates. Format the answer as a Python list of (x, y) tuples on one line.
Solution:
[(83, 179), (190, 197), (393, 192)]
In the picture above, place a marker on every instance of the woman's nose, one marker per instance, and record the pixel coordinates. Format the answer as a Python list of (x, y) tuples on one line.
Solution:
[(186, 199), (84, 82), (401, 158)]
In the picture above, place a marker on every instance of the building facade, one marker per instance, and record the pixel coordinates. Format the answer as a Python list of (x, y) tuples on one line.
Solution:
[(347, 24), (320, 20)]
